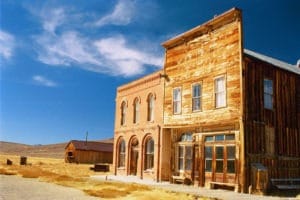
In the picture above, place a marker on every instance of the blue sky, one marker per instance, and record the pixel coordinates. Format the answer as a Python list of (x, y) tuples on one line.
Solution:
[(61, 61)]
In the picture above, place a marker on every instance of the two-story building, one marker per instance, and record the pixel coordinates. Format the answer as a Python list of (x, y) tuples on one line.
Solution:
[(219, 108)]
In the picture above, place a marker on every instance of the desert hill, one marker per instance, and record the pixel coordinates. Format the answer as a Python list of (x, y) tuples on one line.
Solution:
[(47, 151)]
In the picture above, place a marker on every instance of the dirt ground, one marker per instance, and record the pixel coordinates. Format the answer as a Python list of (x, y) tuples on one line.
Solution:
[(78, 176), (16, 188)]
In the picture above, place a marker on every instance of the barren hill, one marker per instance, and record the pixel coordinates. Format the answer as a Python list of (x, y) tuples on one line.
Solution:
[(48, 151)]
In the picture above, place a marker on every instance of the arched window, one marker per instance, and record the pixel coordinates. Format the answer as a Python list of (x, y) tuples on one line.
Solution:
[(149, 154), (136, 111), (123, 113), (150, 113), (122, 149)]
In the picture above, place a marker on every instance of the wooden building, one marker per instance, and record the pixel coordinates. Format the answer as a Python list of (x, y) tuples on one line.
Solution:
[(89, 152), (224, 109)]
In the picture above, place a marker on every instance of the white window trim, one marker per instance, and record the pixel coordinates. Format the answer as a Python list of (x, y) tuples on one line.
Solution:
[(173, 100), (200, 97), (225, 91)]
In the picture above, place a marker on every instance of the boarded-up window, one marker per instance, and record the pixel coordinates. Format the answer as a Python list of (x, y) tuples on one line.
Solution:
[(177, 101), (149, 154), (268, 93), (270, 140), (196, 97), (220, 92)]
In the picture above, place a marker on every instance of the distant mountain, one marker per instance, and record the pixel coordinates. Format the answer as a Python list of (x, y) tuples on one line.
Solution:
[(49, 150)]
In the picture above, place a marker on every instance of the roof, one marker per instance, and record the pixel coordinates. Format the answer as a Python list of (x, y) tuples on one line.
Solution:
[(212, 24), (91, 146), (273, 61)]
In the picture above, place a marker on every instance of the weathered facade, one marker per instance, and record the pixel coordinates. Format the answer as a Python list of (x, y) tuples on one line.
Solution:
[(224, 108), (89, 152)]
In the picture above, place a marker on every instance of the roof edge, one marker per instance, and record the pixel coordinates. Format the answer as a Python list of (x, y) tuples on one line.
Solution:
[(278, 63), (202, 28)]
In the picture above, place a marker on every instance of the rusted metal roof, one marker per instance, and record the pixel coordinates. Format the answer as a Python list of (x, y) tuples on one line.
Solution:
[(273, 61), (92, 145)]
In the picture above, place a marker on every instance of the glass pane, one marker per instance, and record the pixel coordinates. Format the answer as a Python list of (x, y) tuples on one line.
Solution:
[(180, 164), (268, 86), (219, 137), (209, 138), (219, 83), (268, 101), (219, 165), (208, 152), (229, 137), (180, 151), (196, 104), (230, 166), (230, 152), (220, 99), (208, 165), (219, 152), (188, 152), (150, 146), (188, 164)]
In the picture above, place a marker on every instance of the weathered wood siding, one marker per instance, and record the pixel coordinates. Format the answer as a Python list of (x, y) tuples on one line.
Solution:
[(272, 137), (201, 59)]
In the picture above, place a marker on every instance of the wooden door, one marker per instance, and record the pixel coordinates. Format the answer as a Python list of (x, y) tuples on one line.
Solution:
[(219, 163), (133, 161)]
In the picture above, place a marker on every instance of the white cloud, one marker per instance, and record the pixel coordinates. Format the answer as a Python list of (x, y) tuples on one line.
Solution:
[(40, 80), (7, 44), (127, 61), (121, 15)]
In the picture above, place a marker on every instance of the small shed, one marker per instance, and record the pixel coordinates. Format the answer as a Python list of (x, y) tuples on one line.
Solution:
[(91, 152)]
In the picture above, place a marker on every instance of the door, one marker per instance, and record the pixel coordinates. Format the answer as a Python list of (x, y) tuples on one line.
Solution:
[(133, 161), (219, 163)]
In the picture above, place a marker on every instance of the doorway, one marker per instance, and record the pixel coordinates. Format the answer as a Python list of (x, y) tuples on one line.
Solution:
[(219, 159), (134, 157)]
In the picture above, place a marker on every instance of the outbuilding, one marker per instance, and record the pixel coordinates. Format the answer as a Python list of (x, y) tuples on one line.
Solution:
[(78, 151)]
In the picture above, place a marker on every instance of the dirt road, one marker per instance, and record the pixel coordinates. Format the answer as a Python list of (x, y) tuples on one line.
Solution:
[(16, 188)]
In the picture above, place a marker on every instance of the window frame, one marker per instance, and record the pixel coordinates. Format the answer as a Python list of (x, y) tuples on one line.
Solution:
[(123, 112), (136, 110), (197, 97), (217, 93), (150, 107), (269, 94), (149, 164), (122, 154), (177, 102)]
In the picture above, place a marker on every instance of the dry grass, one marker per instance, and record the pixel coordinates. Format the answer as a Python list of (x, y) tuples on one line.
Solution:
[(76, 176)]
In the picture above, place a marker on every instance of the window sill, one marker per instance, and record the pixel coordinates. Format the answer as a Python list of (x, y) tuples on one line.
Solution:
[(149, 171), (121, 168)]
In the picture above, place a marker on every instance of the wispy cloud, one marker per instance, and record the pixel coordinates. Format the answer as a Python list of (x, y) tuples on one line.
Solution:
[(121, 15), (40, 80), (65, 49), (62, 45), (7, 44)]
